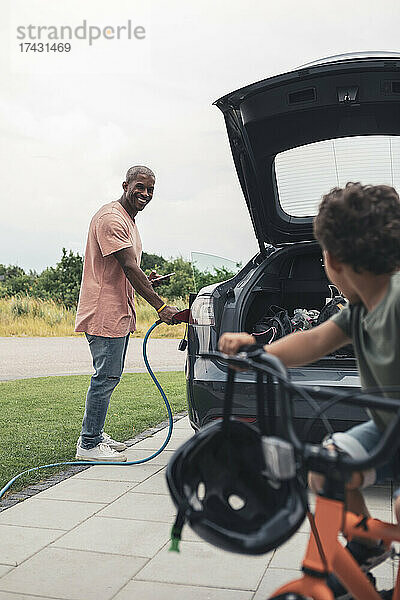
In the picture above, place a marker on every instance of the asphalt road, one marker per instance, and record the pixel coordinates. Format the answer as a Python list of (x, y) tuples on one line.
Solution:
[(22, 357)]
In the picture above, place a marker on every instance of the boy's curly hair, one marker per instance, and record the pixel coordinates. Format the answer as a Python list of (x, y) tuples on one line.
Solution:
[(360, 226)]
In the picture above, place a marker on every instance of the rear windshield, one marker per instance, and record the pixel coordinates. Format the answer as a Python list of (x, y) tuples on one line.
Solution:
[(306, 173)]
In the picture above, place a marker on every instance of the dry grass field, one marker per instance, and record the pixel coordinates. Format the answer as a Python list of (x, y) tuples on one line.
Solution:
[(32, 317)]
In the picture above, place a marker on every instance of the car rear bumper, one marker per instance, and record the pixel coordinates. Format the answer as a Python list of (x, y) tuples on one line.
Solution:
[(206, 398)]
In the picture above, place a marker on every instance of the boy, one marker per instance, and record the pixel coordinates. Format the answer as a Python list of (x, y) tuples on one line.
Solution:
[(358, 228)]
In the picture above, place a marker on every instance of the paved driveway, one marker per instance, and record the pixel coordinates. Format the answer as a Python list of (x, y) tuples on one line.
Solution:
[(22, 357), (103, 534)]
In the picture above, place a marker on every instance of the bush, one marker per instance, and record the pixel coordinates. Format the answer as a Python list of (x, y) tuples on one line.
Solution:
[(20, 306), (62, 282), (188, 279), (14, 280), (152, 261), (204, 278)]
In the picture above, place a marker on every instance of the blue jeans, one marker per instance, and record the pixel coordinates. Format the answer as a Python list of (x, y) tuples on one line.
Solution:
[(358, 442), (108, 362)]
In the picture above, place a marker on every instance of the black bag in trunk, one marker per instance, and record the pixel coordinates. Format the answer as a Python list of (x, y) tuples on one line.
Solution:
[(275, 324), (335, 305)]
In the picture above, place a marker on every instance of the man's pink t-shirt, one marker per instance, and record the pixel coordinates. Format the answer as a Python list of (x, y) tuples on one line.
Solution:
[(106, 300)]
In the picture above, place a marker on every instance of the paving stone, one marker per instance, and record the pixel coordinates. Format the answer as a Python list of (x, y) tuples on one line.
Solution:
[(382, 583), (378, 497), (8, 596), (157, 484), (304, 527), (154, 442), (5, 569), (85, 490), (177, 433), (135, 473), (188, 535), (183, 424), (18, 543), (386, 570), (273, 579), (34, 489), (144, 507), (386, 574), (71, 575), (117, 536), (135, 453), (290, 554), (146, 590), (204, 565), (49, 514), (382, 514)]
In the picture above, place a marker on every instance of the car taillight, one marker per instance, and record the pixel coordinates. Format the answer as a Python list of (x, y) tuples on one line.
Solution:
[(202, 311)]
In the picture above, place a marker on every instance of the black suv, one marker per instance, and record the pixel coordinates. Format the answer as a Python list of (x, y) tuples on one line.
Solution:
[(293, 137)]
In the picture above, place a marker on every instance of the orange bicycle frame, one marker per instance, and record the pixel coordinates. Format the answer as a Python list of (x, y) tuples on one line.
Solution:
[(325, 554)]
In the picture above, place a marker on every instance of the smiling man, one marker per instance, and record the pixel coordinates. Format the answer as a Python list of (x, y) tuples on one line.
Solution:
[(106, 309)]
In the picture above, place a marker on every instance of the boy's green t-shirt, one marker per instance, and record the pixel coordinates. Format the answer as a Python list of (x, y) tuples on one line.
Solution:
[(376, 341)]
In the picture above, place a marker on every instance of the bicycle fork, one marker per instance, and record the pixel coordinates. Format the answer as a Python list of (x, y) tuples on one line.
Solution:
[(326, 555)]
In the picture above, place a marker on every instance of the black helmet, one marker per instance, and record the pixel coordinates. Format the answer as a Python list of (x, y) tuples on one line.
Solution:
[(222, 486)]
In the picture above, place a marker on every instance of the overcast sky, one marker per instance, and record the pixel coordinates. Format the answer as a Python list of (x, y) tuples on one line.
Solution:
[(73, 123)]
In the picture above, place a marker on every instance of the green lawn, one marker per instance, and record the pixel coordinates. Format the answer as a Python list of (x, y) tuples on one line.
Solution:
[(41, 418)]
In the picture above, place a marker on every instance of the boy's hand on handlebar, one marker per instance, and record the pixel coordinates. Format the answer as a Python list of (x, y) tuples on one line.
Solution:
[(167, 314), (230, 343)]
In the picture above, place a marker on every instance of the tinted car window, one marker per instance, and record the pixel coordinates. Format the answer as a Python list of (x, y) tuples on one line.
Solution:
[(305, 173)]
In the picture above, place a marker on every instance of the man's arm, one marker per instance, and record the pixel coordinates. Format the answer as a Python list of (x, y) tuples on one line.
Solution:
[(139, 281), (296, 349)]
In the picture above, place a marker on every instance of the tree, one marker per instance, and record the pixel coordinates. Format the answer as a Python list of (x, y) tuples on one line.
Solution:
[(11, 271), (14, 280), (62, 282), (181, 284), (152, 261), (187, 278), (204, 278)]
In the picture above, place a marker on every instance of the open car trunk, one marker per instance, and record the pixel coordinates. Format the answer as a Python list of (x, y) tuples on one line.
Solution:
[(293, 278), (297, 135)]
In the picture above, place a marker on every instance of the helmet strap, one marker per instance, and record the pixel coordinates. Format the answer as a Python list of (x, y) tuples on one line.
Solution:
[(260, 403), (228, 398), (176, 531)]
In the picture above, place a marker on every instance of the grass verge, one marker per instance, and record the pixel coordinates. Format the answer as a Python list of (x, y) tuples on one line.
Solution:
[(41, 418), (27, 316)]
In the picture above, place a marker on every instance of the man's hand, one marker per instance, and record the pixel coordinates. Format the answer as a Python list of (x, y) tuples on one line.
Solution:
[(229, 343), (167, 314), (154, 276), (142, 284)]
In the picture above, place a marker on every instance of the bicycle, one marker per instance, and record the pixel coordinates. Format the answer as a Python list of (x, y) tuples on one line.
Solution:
[(324, 553)]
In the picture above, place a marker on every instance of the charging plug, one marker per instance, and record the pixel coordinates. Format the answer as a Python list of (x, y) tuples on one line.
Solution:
[(182, 345)]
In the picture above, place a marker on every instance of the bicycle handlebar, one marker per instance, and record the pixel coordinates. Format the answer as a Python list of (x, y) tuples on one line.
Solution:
[(314, 455)]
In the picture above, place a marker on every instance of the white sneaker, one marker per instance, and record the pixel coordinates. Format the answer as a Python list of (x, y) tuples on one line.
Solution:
[(106, 439), (101, 452)]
